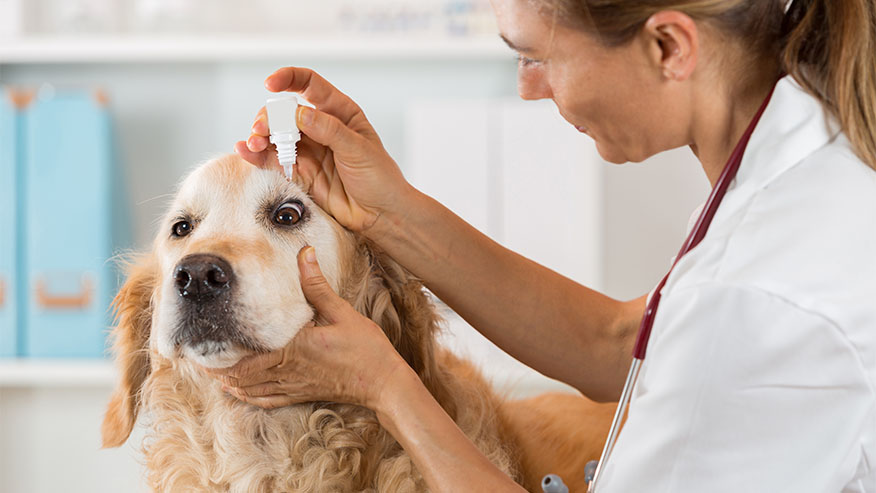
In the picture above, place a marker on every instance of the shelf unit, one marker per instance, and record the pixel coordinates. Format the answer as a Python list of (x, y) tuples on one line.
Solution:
[(32, 51), (30, 373), (131, 49)]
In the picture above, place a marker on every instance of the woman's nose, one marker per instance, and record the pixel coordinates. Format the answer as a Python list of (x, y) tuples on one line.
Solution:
[(532, 85)]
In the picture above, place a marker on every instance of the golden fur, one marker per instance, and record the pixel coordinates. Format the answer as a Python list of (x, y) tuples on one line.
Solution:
[(201, 439)]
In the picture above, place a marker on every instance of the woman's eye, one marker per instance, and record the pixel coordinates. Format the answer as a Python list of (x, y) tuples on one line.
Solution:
[(289, 214), (182, 228), (526, 61)]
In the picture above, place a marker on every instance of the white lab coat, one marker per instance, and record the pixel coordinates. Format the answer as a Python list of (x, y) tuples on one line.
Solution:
[(761, 370)]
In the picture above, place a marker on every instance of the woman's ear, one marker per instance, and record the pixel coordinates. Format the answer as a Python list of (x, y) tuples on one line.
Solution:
[(673, 41), (133, 310)]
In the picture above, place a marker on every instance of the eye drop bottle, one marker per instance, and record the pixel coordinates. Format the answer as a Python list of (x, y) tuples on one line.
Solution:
[(284, 130)]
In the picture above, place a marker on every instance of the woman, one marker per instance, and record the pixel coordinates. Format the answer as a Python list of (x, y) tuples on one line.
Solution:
[(762, 363)]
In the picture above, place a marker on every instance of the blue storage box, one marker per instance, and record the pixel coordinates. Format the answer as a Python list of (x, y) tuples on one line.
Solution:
[(67, 211), (8, 238)]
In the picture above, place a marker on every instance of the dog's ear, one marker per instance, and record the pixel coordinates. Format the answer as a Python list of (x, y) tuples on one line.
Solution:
[(387, 293), (133, 310)]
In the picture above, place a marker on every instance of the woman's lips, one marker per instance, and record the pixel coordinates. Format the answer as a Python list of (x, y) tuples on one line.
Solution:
[(583, 130)]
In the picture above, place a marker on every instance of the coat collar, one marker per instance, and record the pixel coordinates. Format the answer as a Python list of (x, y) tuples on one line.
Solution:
[(793, 126)]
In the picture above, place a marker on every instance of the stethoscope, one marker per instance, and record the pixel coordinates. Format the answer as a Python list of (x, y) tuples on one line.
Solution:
[(694, 238)]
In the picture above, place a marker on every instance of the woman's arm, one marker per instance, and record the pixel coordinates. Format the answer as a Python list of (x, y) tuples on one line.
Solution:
[(545, 320), (553, 324), (445, 457)]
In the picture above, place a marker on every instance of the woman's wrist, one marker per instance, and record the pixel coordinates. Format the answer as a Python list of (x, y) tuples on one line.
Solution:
[(395, 390), (443, 454), (391, 222)]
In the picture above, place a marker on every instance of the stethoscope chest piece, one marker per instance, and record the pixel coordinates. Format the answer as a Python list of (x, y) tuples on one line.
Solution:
[(553, 484)]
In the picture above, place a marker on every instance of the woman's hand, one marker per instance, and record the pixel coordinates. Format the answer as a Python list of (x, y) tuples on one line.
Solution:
[(340, 157), (349, 360)]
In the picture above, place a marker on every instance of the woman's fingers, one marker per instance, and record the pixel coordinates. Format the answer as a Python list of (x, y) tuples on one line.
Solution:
[(317, 290), (316, 173), (255, 158), (258, 390), (259, 132), (257, 143), (251, 370), (260, 125), (331, 132), (265, 159), (265, 402), (316, 90)]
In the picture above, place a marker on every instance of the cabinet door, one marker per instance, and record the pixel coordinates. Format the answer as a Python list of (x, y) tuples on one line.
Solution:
[(67, 221), (8, 237), (517, 172), (448, 158)]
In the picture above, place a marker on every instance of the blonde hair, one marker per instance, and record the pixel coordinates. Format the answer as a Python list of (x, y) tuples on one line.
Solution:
[(828, 46)]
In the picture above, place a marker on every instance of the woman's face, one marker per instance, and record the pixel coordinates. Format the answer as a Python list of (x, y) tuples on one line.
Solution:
[(616, 95)]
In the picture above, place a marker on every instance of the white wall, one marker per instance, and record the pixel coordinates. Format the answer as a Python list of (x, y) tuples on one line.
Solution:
[(646, 211)]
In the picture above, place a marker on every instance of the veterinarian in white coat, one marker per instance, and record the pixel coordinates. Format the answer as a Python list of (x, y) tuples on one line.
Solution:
[(761, 370)]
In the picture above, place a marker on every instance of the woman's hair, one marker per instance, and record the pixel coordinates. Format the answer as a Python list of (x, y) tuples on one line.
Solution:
[(828, 46)]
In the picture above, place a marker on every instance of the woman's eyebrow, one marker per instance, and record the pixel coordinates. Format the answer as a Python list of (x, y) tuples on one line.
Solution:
[(514, 46)]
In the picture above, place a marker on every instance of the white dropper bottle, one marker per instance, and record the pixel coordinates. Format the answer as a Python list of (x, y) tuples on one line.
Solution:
[(284, 130)]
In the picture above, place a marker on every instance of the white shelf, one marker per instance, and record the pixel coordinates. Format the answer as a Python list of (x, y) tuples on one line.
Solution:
[(56, 373), (189, 49)]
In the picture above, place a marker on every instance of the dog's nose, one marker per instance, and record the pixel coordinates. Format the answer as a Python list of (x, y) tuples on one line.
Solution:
[(202, 277)]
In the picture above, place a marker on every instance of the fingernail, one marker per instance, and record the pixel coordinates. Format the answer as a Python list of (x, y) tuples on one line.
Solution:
[(305, 116), (310, 256)]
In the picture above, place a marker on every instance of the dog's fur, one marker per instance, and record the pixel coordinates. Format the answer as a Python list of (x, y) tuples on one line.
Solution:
[(201, 439)]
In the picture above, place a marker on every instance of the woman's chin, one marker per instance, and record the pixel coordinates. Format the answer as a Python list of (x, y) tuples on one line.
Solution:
[(617, 155), (611, 154)]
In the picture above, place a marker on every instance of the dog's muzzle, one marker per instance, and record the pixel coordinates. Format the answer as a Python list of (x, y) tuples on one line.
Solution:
[(206, 324)]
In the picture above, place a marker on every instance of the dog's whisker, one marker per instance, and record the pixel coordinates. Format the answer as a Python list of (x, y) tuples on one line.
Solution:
[(152, 199)]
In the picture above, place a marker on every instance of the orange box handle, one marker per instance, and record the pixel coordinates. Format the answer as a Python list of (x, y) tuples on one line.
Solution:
[(76, 301)]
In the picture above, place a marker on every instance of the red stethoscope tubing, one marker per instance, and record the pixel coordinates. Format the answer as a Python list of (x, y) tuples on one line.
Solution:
[(728, 174)]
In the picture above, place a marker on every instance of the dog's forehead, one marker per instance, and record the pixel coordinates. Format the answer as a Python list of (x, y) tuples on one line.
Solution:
[(229, 180)]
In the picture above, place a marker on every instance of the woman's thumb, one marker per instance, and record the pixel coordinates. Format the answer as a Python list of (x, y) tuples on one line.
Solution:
[(329, 131), (316, 288)]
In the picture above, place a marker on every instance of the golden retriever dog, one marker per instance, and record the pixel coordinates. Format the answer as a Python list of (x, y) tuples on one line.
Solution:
[(222, 282)]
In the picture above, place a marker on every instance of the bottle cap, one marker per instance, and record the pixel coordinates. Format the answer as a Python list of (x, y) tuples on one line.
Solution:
[(281, 113)]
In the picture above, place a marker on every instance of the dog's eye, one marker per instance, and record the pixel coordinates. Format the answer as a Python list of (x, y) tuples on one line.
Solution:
[(289, 214), (182, 228)]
